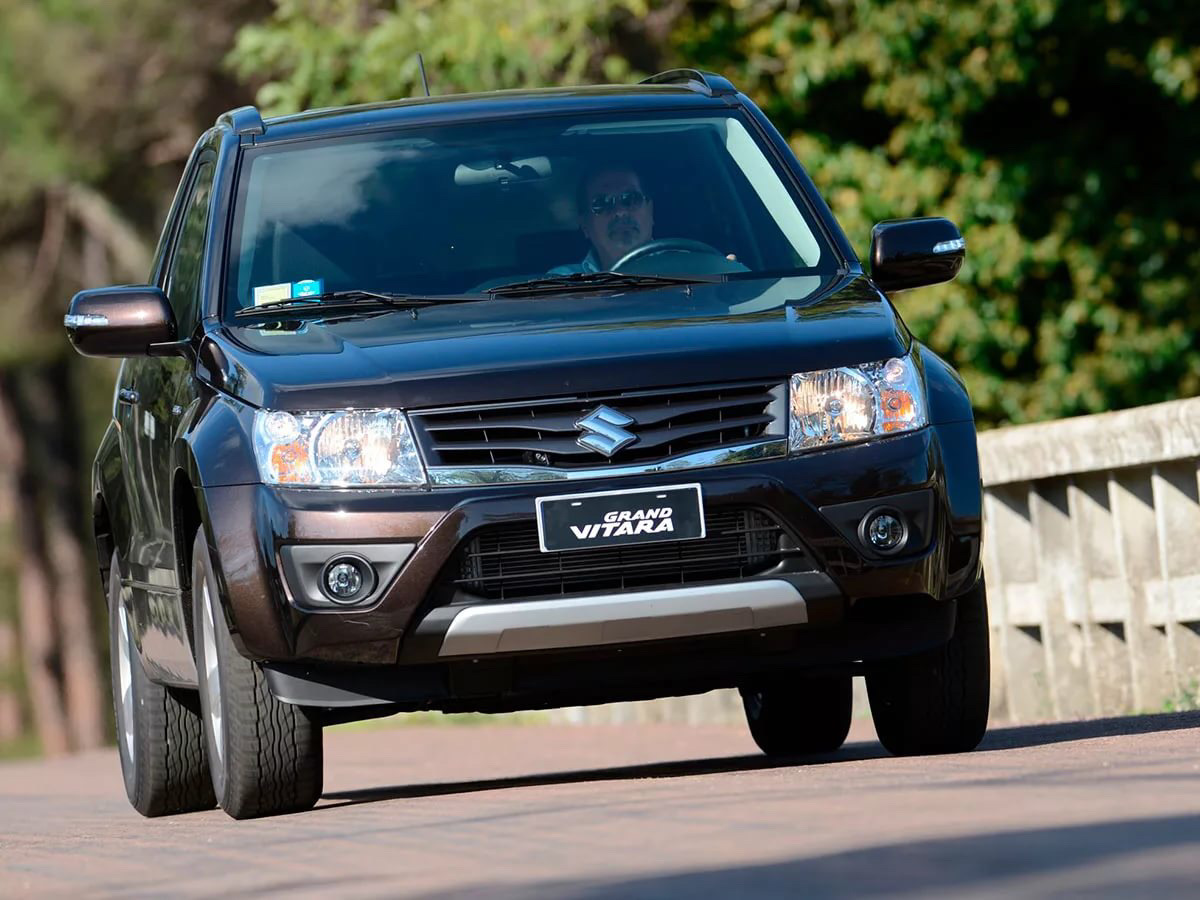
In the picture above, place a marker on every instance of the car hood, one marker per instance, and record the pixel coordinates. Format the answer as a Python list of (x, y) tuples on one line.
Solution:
[(522, 348)]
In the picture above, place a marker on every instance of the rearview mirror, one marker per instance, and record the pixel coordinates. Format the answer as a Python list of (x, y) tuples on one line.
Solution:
[(120, 321), (502, 171), (913, 253)]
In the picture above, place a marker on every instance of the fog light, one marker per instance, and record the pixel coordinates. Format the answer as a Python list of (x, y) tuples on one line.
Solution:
[(347, 579), (884, 531)]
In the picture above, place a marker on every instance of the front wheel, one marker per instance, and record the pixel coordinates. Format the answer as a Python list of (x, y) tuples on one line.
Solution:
[(799, 715), (937, 701), (159, 737), (265, 755)]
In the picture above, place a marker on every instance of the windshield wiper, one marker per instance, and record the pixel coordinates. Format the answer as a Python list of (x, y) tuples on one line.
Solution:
[(553, 284), (342, 300)]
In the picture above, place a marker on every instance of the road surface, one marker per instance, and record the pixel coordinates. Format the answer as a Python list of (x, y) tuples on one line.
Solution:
[(1109, 808)]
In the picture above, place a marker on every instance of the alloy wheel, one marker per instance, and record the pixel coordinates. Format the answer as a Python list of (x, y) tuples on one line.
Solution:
[(124, 693), (212, 676)]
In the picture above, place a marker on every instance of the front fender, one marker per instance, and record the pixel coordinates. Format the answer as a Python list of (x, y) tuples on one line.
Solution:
[(214, 450), (945, 390), (108, 488), (951, 416)]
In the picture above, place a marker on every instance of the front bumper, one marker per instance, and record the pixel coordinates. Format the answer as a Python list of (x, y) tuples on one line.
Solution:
[(250, 524), (871, 630), (594, 620)]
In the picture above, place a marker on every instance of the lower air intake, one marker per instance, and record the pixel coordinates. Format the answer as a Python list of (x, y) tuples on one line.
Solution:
[(504, 562)]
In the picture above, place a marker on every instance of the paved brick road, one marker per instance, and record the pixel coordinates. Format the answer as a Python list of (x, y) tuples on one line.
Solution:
[(1105, 808)]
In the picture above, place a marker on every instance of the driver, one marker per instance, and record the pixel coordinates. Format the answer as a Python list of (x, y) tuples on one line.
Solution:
[(615, 215)]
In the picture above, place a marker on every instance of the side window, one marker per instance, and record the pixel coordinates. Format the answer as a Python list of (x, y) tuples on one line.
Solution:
[(183, 277)]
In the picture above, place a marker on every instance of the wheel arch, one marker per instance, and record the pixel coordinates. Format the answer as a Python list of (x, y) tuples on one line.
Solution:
[(190, 513), (102, 532), (111, 524), (951, 416), (188, 516)]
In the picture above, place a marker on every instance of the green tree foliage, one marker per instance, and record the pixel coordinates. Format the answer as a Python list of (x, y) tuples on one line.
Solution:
[(1060, 134), (334, 52), (100, 103)]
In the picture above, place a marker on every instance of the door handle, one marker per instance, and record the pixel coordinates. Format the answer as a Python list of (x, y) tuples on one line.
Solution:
[(127, 395)]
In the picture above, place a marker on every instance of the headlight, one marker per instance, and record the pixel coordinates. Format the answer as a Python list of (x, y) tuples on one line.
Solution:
[(336, 448), (834, 406)]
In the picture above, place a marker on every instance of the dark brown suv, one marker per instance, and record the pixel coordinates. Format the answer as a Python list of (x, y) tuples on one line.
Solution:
[(521, 400)]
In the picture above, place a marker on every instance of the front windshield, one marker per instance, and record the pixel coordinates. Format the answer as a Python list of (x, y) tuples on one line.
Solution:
[(459, 209)]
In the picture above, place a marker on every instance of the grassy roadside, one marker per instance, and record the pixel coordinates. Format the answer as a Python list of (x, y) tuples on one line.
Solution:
[(448, 720), (25, 747)]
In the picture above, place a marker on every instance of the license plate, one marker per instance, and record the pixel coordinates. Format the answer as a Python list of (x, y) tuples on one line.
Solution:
[(614, 518)]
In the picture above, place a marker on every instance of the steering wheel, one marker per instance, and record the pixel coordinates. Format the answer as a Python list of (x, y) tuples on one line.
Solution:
[(664, 245)]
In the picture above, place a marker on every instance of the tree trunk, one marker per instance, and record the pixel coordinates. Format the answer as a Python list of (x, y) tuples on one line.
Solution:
[(102, 220), (41, 651), (12, 724), (80, 664), (48, 416), (36, 611), (62, 670)]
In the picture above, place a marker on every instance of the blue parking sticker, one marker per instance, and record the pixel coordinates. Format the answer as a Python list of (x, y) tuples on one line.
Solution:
[(310, 287)]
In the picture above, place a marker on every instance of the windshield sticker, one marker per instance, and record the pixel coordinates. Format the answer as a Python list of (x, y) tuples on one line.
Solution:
[(309, 287), (272, 293)]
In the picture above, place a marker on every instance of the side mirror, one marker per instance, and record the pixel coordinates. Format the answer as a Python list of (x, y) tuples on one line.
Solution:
[(120, 321), (913, 253)]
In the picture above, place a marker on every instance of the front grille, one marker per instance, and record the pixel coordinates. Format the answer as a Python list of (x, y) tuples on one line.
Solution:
[(544, 432), (504, 562)]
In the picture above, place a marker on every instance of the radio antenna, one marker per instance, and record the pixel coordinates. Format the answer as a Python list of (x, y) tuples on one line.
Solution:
[(424, 80)]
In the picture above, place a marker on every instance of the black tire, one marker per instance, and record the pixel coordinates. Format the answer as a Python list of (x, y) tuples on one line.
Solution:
[(937, 701), (801, 715), (265, 756), (159, 735)]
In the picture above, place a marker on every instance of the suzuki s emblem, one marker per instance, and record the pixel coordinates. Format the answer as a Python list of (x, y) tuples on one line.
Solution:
[(604, 430)]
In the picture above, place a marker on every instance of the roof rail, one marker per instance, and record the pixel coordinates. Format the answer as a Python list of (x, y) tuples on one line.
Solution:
[(710, 83), (244, 121)]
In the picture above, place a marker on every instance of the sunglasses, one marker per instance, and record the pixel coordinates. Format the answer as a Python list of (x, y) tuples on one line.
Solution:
[(606, 203)]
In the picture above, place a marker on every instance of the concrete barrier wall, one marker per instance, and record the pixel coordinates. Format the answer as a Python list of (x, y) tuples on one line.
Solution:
[(1092, 557), (1093, 563)]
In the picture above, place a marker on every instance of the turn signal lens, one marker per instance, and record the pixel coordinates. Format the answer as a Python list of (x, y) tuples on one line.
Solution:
[(834, 406), (289, 463)]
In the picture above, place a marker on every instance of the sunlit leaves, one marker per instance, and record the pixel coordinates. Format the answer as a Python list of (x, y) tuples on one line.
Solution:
[(328, 52), (1060, 134)]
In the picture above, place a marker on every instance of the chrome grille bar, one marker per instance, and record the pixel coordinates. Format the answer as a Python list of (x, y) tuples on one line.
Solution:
[(668, 424), (459, 476)]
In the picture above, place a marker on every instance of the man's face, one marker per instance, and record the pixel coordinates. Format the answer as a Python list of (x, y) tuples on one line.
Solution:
[(617, 216)]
